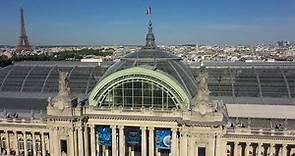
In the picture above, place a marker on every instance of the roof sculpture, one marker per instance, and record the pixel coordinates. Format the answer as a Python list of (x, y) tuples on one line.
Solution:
[(201, 102), (63, 99)]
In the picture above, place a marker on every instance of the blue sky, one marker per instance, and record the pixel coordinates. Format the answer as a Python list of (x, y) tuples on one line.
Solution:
[(124, 21)]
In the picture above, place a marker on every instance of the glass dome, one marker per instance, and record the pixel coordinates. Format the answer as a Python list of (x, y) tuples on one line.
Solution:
[(145, 90)]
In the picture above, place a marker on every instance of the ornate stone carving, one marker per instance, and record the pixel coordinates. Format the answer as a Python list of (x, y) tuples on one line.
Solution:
[(201, 102), (63, 99)]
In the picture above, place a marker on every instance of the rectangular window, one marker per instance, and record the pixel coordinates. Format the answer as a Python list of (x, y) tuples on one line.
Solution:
[(201, 151), (63, 146)]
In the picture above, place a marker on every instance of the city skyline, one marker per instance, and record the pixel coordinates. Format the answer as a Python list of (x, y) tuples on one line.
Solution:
[(227, 22)]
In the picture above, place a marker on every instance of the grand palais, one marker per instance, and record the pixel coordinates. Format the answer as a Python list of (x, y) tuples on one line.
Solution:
[(150, 103)]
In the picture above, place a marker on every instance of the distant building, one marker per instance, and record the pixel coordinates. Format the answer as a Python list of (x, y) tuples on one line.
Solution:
[(283, 43), (95, 60)]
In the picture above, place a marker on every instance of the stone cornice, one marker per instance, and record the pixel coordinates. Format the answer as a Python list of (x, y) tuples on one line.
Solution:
[(17, 125), (253, 137), (68, 118), (138, 118), (178, 120)]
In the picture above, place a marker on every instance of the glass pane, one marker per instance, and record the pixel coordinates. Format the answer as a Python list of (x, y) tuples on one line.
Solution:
[(138, 93)]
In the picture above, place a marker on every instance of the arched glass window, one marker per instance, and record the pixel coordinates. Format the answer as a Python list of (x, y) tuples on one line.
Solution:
[(138, 93)]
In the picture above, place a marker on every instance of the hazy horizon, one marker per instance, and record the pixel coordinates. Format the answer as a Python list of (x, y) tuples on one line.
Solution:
[(124, 22)]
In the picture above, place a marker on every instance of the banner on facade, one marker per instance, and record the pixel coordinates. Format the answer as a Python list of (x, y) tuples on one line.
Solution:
[(104, 136), (134, 137), (163, 139)]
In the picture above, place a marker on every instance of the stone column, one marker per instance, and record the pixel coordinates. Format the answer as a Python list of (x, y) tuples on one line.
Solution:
[(122, 141), (43, 144), (151, 141), (183, 143), (7, 142), (177, 147), (71, 143), (16, 143), (34, 144), (284, 149), (260, 149), (25, 144), (80, 141), (50, 140), (219, 151), (174, 142), (143, 141), (75, 147), (247, 148), (210, 150), (236, 148), (55, 142), (191, 145), (114, 140), (279, 151), (93, 140), (86, 141), (272, 149), (197, 149), (240, 149)]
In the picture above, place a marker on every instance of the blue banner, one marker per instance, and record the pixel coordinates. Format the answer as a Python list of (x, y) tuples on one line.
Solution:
[(163, 139), (104, 136), (134, 137)]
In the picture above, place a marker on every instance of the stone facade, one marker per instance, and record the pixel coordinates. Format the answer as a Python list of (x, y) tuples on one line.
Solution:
[(192, 133), (70, 129)]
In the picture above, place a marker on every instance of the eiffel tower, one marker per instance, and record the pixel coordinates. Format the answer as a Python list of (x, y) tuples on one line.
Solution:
[(23, 42)]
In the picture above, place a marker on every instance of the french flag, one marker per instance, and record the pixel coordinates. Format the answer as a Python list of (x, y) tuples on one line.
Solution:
[(149, 11)]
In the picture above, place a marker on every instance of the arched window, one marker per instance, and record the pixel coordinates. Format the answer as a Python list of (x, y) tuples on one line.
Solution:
[(138, 93), (139, 87)]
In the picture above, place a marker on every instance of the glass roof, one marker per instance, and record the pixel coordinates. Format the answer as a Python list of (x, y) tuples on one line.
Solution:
[(230, 82)]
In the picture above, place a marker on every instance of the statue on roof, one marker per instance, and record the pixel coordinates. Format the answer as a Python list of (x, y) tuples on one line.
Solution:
[(62, 100), (201, 102), (63, 84), (203, 91)]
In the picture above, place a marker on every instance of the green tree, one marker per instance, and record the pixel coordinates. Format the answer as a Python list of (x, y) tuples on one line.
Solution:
[(4, 61)]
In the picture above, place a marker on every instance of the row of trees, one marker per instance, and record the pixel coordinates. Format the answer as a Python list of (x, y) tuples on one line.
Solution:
[(65, 55), (61, 56)]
